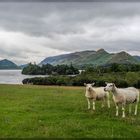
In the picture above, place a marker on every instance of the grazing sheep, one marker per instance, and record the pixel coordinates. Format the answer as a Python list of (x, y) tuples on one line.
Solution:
[(93, 94), (124, 96)]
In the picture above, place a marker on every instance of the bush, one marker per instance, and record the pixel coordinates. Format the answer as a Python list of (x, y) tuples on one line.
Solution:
[(137, 85), (121, 83), (76, 81)]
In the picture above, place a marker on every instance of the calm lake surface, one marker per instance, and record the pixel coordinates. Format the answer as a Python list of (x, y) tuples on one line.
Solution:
[(14, 76)]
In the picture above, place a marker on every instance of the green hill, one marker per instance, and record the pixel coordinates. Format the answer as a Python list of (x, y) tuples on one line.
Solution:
[(123, 58), (7, 64), (100, 57)]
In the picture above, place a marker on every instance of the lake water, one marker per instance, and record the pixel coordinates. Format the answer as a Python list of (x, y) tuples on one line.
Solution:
[(13, 76)]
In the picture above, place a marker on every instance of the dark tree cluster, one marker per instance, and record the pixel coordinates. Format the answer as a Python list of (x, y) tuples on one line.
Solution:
[(121, 75), (33, 69), (115, 68)]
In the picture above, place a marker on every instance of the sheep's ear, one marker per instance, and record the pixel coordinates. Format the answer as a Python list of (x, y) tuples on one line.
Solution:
[(113, 84), (106, 83), (85, 84), (93, 84)]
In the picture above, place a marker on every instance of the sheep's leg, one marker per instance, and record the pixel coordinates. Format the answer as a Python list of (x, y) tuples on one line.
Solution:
[(108, 101), (103, 101), (136, 108), (88, 100), (123, 111), (93, 105), (130, 108), (117, 110)]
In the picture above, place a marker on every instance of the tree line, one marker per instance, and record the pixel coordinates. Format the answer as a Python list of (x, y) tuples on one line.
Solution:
[(121, 75), (48, 69), (114, 68)]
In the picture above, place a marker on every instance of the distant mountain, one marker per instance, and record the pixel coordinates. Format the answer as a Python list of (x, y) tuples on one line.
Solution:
[(23, 66), (100, 57), (7, 64)]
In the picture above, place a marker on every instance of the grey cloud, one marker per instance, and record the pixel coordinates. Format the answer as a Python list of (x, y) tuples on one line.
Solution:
[(68, 27), (60, 17)]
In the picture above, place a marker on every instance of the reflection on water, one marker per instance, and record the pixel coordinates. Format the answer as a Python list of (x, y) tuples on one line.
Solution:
[(13, 76)]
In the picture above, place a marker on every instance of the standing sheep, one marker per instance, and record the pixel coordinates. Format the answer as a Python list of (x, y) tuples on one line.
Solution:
[(123, 96), (93, 94)]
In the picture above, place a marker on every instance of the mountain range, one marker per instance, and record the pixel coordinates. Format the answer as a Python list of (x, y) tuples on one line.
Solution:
[(88, 57), (95, 58)]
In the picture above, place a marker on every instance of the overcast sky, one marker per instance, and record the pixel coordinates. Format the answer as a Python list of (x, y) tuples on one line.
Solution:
[(30, 32)]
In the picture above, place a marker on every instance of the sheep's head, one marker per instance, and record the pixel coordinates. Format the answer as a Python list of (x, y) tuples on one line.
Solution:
[(89, 86), (109, 87)]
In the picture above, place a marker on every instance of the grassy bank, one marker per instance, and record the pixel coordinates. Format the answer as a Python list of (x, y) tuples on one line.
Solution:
[(41, 111)]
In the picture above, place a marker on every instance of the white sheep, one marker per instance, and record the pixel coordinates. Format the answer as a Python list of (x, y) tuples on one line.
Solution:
[(93, 94), (124, 96)]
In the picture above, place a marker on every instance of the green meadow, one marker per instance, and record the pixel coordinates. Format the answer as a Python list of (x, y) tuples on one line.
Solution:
[(28, 111)]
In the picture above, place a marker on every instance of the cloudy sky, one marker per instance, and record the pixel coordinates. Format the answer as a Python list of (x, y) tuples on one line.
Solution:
[(29, 32)]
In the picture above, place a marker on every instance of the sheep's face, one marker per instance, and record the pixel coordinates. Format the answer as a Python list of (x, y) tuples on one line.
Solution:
[(89, 86), (109, 87)]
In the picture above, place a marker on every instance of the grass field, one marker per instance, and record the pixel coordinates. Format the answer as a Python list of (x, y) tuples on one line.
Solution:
[(59, 112)]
